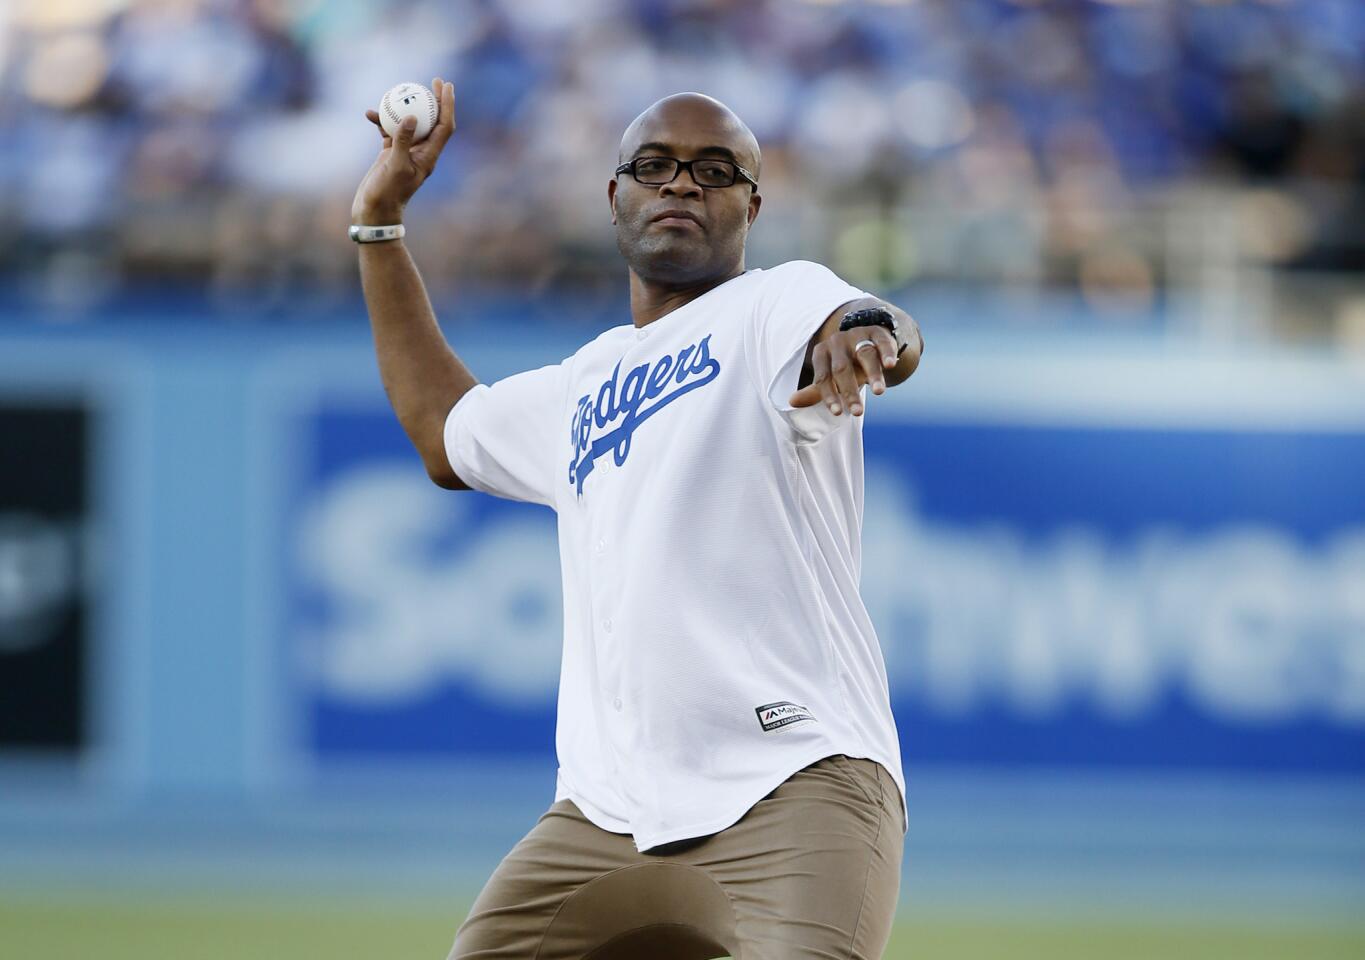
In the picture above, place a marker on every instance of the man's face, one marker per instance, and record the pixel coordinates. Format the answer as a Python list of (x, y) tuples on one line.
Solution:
[(708, 239)]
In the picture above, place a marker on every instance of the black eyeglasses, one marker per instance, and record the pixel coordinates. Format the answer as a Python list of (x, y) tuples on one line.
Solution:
[(706, 172)]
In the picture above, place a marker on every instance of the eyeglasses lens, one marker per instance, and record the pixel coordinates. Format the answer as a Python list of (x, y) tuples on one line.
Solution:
[(707, 173)]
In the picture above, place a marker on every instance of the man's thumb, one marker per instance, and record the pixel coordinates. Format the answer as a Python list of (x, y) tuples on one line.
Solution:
[(406, 127)]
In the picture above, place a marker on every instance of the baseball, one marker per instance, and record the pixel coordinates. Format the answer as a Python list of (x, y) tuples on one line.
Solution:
[(404, 99)]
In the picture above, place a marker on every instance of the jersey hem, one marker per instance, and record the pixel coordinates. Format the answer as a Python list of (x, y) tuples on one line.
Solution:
[(729, 819), (595, 815)]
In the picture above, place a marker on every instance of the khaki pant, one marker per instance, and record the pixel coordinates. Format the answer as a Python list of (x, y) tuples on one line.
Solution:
[(811, 870)]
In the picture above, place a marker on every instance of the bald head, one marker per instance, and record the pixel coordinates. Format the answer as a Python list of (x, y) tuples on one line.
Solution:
[(680, 233), (692, 120)]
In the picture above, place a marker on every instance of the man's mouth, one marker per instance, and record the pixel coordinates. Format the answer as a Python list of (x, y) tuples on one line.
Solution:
[(675, 218)]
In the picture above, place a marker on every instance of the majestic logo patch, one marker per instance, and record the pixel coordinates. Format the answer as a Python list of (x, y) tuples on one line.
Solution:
[(774, 715), (627, 401)]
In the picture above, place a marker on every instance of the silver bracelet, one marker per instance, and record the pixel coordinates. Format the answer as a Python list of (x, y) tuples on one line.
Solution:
[(364, 234)]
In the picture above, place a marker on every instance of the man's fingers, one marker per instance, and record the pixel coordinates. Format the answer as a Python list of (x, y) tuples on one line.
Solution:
[(820, 389), (402, 143), (373, 117), (426, 153), (869, 358), (812, 393), (886, 345), (845, 377), (836, 379), (820, 361), (807, 396), (445, 113)]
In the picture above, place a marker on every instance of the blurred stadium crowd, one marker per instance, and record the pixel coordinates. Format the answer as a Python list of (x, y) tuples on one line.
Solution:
[(1131, 151)]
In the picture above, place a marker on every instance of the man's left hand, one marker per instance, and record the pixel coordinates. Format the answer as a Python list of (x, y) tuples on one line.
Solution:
[(842, 362)]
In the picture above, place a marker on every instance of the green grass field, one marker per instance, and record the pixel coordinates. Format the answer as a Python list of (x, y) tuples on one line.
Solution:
[(201, 928)]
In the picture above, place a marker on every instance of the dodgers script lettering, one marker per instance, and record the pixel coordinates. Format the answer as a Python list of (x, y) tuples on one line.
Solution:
[(626, 403)]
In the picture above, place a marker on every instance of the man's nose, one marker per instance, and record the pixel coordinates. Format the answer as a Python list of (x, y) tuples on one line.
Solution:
[(681, 186)]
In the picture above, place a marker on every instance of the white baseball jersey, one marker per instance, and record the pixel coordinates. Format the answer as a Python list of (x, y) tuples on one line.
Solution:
[(714, 638)]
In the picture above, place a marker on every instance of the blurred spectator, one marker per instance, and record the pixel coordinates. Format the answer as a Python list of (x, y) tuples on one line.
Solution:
[(1028, 143)]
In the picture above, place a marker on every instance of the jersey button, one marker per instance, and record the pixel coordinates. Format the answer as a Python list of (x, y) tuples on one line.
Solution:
[(606, 625), (641, 333), (601, 545), (616, 703)]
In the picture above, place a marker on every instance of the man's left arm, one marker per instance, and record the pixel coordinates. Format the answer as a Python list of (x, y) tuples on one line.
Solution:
[(834, 370)]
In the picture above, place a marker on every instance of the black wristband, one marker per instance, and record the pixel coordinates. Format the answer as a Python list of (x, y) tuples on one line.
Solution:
[(874, 317)]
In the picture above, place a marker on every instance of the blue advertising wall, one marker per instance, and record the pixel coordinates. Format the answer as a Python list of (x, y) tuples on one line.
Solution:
[(1092, 556), (1119, 583), (1080, 554)]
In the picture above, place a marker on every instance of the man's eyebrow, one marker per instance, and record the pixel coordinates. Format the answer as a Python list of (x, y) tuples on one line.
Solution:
[(724, 152)]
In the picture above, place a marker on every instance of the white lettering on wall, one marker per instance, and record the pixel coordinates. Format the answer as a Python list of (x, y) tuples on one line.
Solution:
[(1251, 624)]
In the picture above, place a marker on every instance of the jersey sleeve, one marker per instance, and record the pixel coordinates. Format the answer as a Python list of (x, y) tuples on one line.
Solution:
[(500, 437), (797, 298)]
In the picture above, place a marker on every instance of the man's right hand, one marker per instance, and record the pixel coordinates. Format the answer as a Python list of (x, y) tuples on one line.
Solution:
[(402, 166)]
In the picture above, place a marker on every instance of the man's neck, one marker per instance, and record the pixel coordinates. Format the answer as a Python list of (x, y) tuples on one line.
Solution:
[(649, 300)]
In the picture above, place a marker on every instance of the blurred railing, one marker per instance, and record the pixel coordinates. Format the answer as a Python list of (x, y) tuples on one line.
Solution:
[(1219, 261)]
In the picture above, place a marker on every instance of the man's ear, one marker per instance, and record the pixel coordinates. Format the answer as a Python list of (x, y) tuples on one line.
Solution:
[(611, 197), (755, 201)]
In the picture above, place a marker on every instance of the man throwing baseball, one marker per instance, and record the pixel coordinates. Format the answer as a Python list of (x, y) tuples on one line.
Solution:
[(729, 771)]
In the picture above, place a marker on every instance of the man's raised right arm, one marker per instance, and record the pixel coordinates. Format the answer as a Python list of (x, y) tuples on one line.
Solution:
[(422, 376)]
